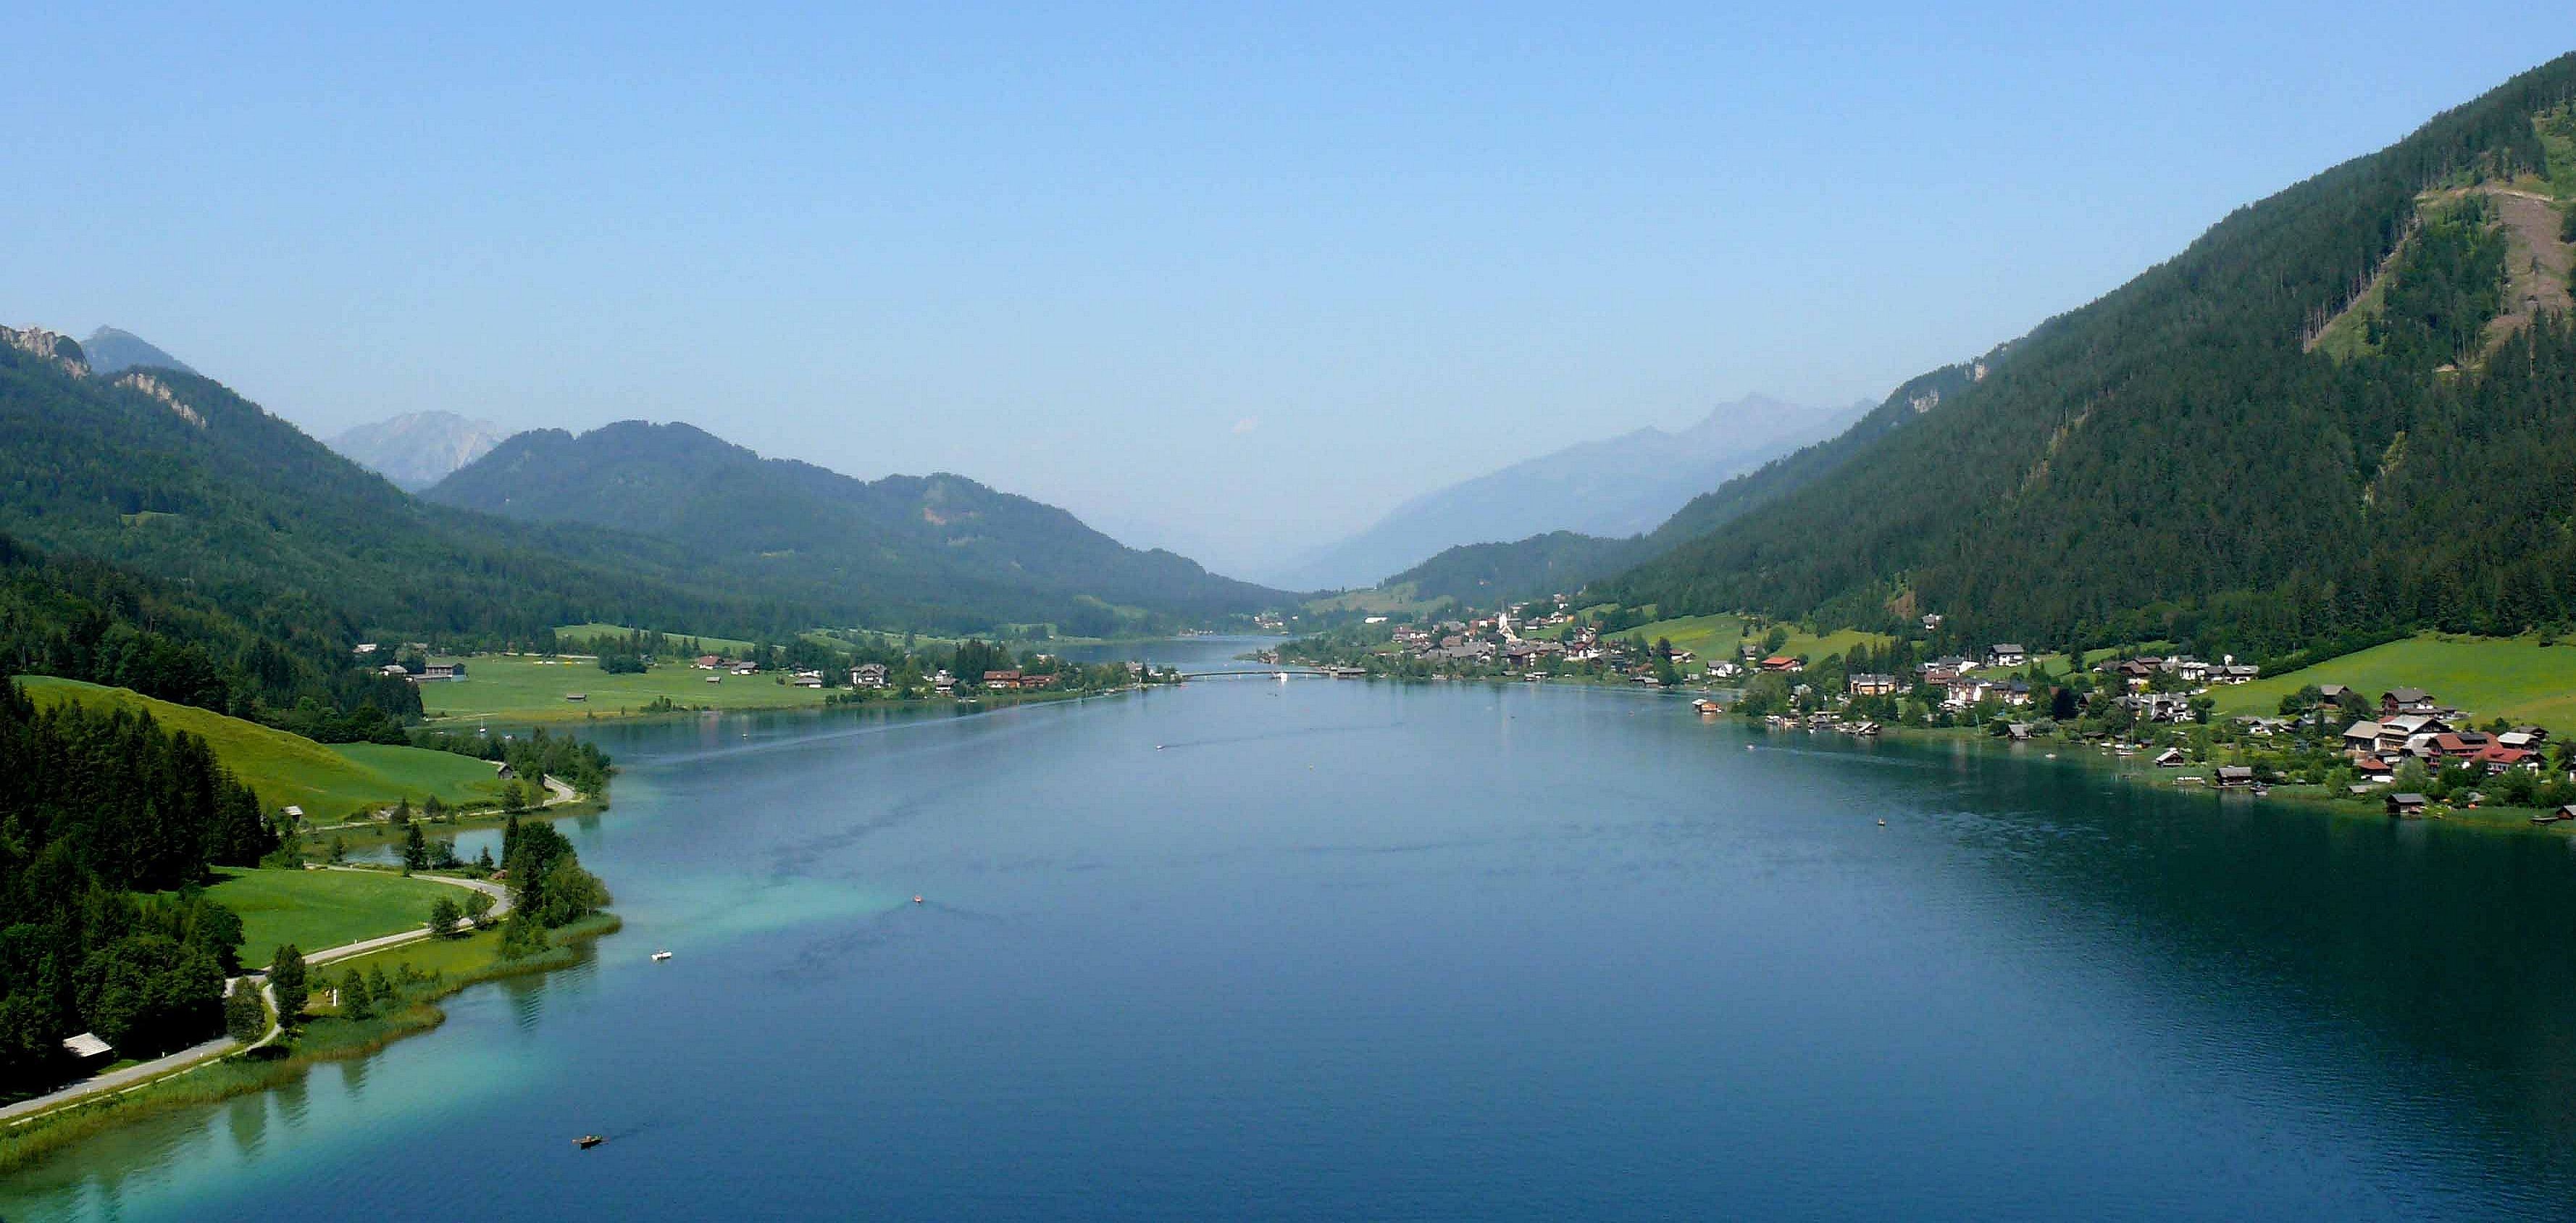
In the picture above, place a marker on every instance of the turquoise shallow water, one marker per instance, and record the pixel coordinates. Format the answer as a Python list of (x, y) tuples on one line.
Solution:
[(1343, 950)]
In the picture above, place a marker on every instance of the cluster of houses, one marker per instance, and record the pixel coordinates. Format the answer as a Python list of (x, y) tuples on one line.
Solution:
[(2411, 725)]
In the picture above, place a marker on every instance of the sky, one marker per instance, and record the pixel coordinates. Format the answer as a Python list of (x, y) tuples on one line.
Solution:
[(1231, 278)]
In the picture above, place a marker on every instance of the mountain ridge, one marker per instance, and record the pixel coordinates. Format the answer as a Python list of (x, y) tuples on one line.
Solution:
[(738, 509)]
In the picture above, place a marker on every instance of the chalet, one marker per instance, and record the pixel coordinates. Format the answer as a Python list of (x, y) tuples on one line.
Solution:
[(2233, 776), (2362, 736), (1948, 662), (2234, 673), (2496, 758), (868, 675), (393, 670), (363, 648), (2158, 706), (2331, 694), (2406, 700), (1724, 670), (436, 671), (2136, 673), (1931, 620), (1871, 684), (1963, 692), (88, 1050), (2018, 732), (1782, 664), (708, 662), (809, 679), (2171, 758), (2372, 767), (2407, 805), (2192, 670), (943, 682), (1001, 681), (1037, 681), (2015, 692), (2006, 654), (746, 668), (2459, 745), (2397, 732)]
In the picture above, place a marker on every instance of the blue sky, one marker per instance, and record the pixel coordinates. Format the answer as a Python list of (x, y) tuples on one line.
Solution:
[(1230, 277)]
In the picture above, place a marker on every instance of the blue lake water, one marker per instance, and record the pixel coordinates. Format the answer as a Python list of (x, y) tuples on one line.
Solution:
[(1358, 950)]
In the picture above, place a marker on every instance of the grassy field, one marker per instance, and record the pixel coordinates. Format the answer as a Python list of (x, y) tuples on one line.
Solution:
[(317, 909), (578, 635), (528, 688), (2514, 678), (328, 781), (1709, 637)]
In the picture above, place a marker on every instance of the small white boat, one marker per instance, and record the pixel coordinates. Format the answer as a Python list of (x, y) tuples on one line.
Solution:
[(1281, 676), (916, 900), (660, 956)]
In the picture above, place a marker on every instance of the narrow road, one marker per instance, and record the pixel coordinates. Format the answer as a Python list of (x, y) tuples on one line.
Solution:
[(214, 1050)]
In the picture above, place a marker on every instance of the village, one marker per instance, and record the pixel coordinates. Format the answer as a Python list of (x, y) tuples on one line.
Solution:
[(2401, 749)]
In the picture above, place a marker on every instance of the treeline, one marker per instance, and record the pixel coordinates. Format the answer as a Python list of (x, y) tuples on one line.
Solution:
[(284, 662), (2170, 463), (108, 823), (531, 757)]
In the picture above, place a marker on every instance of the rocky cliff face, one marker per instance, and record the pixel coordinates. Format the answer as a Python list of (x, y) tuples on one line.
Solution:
[(49, 345)]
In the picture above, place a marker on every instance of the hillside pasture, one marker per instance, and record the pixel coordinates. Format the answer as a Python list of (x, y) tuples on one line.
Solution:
[(2514, 678), (329, 781)]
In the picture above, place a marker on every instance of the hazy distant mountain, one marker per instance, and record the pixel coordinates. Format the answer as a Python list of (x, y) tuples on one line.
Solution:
[(1616, 487), (418, 449), (110, 350)]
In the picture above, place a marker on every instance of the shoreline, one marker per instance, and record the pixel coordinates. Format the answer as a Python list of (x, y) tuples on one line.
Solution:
[(2492, 820), (551, 717), (251, 1070)]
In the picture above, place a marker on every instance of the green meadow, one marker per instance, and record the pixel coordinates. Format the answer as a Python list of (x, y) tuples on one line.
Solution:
[(318, 909), (330, 781), (2514, 678), (533, 688)]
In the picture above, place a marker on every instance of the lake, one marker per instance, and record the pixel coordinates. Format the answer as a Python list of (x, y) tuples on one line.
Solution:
[(1317, 949)]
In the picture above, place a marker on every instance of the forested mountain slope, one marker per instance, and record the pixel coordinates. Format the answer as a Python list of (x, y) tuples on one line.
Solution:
[(946, 540), (2177, 460), (176, 477)]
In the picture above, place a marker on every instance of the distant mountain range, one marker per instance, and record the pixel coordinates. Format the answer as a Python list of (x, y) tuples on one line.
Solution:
[(943, 540), (113, 351), (1614, 487), (418, 449), (176, 478)]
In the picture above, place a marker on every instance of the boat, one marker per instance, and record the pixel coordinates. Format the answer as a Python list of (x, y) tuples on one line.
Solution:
[(1882, 823), (660, 956), (587, 1141), (916, 900)]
